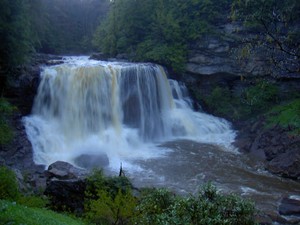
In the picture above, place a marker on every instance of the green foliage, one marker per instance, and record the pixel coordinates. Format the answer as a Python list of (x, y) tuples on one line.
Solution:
[(15, 32), (260, 95), (157, 30), (275, 28), (8, 186), (109, 199), (6, 133), (209, 207), (33, 201), (287, 116), (12, 213), (107, 209), (254, 99), (160, 207), (97, 181)]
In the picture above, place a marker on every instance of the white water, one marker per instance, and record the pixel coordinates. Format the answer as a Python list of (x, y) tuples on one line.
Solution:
[(121, 110)]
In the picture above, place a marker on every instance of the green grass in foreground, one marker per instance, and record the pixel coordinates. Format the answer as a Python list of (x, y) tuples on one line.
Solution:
[(13, 214)]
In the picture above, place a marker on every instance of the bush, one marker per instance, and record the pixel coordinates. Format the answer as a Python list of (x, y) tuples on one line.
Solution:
[(153, 206), (97, 181), (260, 96), (109, 199), (209, 207), (103, 205), (255, 99), (107, 209), (8, 186), (286, 116), (6, 133)]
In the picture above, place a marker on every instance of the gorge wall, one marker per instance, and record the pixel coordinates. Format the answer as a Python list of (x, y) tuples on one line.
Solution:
[(220, 53)]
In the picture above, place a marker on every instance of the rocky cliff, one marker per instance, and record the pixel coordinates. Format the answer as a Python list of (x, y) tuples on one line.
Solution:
[(225, 52)]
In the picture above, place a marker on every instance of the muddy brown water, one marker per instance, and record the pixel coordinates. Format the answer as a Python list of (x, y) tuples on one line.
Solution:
[(188, 165)]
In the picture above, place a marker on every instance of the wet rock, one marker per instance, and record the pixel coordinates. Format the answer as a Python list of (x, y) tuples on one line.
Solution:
[(286, 164), (92, 161), (65, 171), (263, 219), (99, 56), (290, 206), (276, 145)]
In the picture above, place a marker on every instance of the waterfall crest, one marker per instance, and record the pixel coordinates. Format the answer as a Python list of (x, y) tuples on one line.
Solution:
[(117, 109)]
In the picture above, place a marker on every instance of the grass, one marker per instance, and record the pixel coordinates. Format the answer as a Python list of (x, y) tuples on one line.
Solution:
[(12, 213)]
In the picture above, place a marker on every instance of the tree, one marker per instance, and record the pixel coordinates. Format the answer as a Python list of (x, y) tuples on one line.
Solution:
[(15, 36), (275, 29), (157, 30), (15, 33)]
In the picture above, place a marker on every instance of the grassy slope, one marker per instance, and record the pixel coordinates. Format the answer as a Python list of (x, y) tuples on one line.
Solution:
[(11, 213)]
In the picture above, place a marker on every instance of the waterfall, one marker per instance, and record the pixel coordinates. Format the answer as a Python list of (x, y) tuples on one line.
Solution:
[(120, 110)]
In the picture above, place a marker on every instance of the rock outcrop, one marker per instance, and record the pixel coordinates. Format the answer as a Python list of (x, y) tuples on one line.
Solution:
[(220, 54), (279, 147), (66, 187)]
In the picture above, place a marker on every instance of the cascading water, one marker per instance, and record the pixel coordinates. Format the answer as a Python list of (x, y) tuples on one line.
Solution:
[(121, 110)]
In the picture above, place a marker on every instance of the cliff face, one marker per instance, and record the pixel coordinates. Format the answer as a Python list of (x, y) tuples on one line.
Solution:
[(225, 52)]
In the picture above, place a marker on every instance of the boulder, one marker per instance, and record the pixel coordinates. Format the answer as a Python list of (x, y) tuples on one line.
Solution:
[(286, 164), (65, 187), (65, 171)]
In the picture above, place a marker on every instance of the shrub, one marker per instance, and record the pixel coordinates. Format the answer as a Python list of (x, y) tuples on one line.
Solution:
[(97, 181), (154, 205), (109, 199), (209, 207), (260, 96), (107, 209), (8, 186), (253, 100), (6, 133), (287, 116)]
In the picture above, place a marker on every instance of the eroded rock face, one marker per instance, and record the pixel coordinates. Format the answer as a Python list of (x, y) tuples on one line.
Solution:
[(218, 54), (276, 145)]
